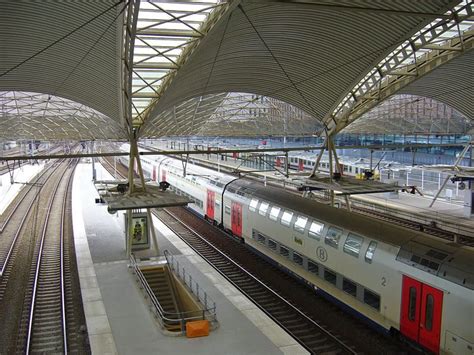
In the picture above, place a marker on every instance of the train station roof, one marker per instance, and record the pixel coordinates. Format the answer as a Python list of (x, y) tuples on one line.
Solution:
[(67, 49), (168, 65)]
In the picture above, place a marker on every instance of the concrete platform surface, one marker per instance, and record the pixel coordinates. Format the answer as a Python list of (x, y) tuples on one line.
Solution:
[(118, 317)]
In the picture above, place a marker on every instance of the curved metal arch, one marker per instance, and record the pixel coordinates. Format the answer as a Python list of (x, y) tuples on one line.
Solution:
[(28, 115), (410, 61)]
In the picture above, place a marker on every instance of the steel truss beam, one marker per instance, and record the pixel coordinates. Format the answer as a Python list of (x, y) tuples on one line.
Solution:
[(164, 31), (414, 58), (225, 151)]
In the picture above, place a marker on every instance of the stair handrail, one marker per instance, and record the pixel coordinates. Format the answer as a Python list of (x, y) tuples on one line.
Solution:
[(166, 318), (192, 285)]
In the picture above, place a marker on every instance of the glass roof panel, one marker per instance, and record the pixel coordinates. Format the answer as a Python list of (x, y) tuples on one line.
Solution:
[(164, 28)]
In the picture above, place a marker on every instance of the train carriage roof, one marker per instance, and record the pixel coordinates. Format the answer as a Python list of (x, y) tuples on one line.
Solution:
[(448, 260)]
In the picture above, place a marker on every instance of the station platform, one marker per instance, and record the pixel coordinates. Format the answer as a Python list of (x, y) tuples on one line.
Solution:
[(118, 317)]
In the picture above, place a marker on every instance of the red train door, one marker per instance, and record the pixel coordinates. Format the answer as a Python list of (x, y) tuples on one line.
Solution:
[(278, 162), (211, 199), (236, 219), (420, 317), (300, 165), (153, 176), (430, 323), (163, 175)]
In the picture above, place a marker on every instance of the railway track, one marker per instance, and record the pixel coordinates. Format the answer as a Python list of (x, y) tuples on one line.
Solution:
[(305, 330), (316, 324), (47, 330), (39, 283)]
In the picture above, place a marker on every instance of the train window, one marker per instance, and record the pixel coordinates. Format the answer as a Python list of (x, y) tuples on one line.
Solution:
[(369, 254), (297, 258), (274, 213), (330, 276), (253, 205), (429, 312), (371, 299), (332, 236), (412, 304), (349, 287), (315, 230), (272, 244), (353, 244), (300, 223), (436, 254), (263, 208), (313, 267), (227, 209), (286, 218), (284, 251)]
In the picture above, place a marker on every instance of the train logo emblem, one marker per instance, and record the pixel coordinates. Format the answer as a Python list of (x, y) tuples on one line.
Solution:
[(322, 254)]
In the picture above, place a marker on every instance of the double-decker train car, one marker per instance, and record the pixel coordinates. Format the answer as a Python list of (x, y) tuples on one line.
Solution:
[(398, 280)]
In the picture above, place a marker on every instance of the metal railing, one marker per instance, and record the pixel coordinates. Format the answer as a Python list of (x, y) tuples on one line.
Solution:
[(192, 285), (169, 320)]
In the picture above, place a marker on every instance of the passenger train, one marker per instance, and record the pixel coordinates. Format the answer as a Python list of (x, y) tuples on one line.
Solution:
[(398, 280)]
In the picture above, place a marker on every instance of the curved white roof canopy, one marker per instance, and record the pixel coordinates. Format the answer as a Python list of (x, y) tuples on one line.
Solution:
[(69, 49), (452, 83), (309, 54), (411, 114), (232, 114), (26, 115)]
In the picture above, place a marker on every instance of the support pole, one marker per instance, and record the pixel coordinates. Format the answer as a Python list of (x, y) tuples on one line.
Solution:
[(318, 159), (371, 158), (152, 230), (328, 141), (458, 160), (338, 168)]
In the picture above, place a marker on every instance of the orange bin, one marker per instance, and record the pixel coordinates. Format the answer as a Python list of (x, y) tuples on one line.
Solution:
[(197, 328)]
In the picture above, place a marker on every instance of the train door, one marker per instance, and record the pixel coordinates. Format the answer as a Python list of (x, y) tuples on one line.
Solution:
[(163, 175), (300, 164), (153, 176), (211, 200), (420, 318), (278, 162), (236, 219)]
